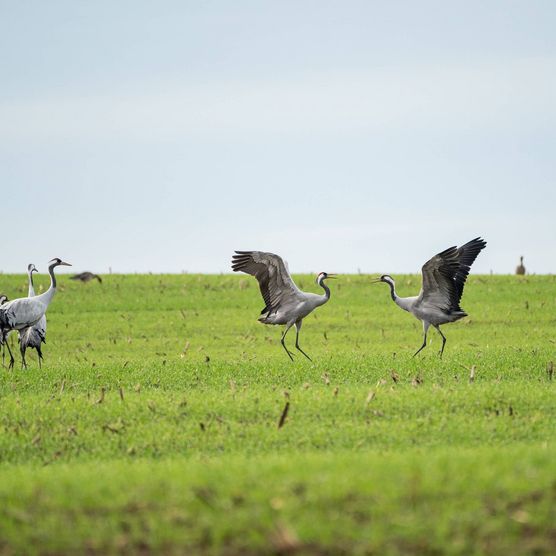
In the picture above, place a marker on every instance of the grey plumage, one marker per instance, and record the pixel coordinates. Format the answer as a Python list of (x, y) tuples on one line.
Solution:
[(444, 277), (285, 303), (27, 311), (32, 336)]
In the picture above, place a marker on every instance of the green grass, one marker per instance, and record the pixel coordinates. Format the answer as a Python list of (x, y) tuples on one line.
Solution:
[(153, 425)]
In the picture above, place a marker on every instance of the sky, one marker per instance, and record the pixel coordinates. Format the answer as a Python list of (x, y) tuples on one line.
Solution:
[(353, 136)]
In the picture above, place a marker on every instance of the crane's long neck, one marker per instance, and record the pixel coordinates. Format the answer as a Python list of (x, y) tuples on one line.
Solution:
[(392, 287), (324, 298), (49, 294), (326, 291), (31, 292), (402, 302)]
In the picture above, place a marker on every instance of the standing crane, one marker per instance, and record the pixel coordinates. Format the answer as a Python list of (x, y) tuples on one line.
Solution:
[(285, 303), (27, 311), (32, 336), (443, 280)]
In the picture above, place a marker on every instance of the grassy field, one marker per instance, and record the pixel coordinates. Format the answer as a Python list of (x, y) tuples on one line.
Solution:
[(153, 425)]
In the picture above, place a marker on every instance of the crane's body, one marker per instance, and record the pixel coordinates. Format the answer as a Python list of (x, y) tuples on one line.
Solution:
[(295, 310), (444, 278), (285, 303), (32, 336), (27, 311)]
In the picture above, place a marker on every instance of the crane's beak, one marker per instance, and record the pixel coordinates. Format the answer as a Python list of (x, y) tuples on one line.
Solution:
[(333, 276), (64, 264), (376, 281)]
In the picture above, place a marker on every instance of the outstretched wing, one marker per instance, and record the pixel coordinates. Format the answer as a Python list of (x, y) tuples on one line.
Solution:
[(275, 282), (445, 274)]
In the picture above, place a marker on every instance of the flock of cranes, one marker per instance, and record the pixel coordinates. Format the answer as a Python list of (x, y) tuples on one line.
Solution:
[(438, 303), (26, 315)]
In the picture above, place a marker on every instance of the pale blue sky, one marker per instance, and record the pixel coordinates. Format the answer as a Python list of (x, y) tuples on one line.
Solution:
[(160, 136)]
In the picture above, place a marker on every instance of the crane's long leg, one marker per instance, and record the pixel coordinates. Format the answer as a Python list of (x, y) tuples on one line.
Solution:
[(12, 360), (425, 330), (288, 326), (297, 329), (23, 362), (443, 340)]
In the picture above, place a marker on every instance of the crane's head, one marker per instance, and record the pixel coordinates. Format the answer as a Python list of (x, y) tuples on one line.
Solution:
[(3, 298), (32, 268), (57, 262), (324, 276), (384, 278)]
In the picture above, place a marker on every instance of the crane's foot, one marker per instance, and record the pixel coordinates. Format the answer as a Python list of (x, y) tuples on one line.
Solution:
[(290, 355), (299, 349), (423, 346)]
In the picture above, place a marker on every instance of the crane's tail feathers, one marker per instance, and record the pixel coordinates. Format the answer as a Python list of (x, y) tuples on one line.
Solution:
[(456, 315)]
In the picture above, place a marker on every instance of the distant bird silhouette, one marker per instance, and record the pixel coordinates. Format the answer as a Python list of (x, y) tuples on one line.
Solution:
[(86, 277), (444, 277), (285, 303), (32, 336), (520, 269)]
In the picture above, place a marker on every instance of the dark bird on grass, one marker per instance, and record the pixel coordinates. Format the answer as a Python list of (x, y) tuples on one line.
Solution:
[(520, 269), (285, 302), (86, 277), (443, 281), (32, 336), (27, 311)]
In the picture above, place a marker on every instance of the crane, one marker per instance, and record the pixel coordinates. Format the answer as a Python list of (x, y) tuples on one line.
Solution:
[(32, 336), (443, 280), (285, 303), (23, 312)]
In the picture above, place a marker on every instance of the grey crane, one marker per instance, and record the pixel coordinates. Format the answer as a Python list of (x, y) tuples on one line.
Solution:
[(32, 336), (444, 277), (285, 303), (27, 311), (86, 277)]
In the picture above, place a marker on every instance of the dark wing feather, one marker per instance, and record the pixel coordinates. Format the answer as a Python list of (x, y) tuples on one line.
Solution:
[(275, 282), (445, 274)]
